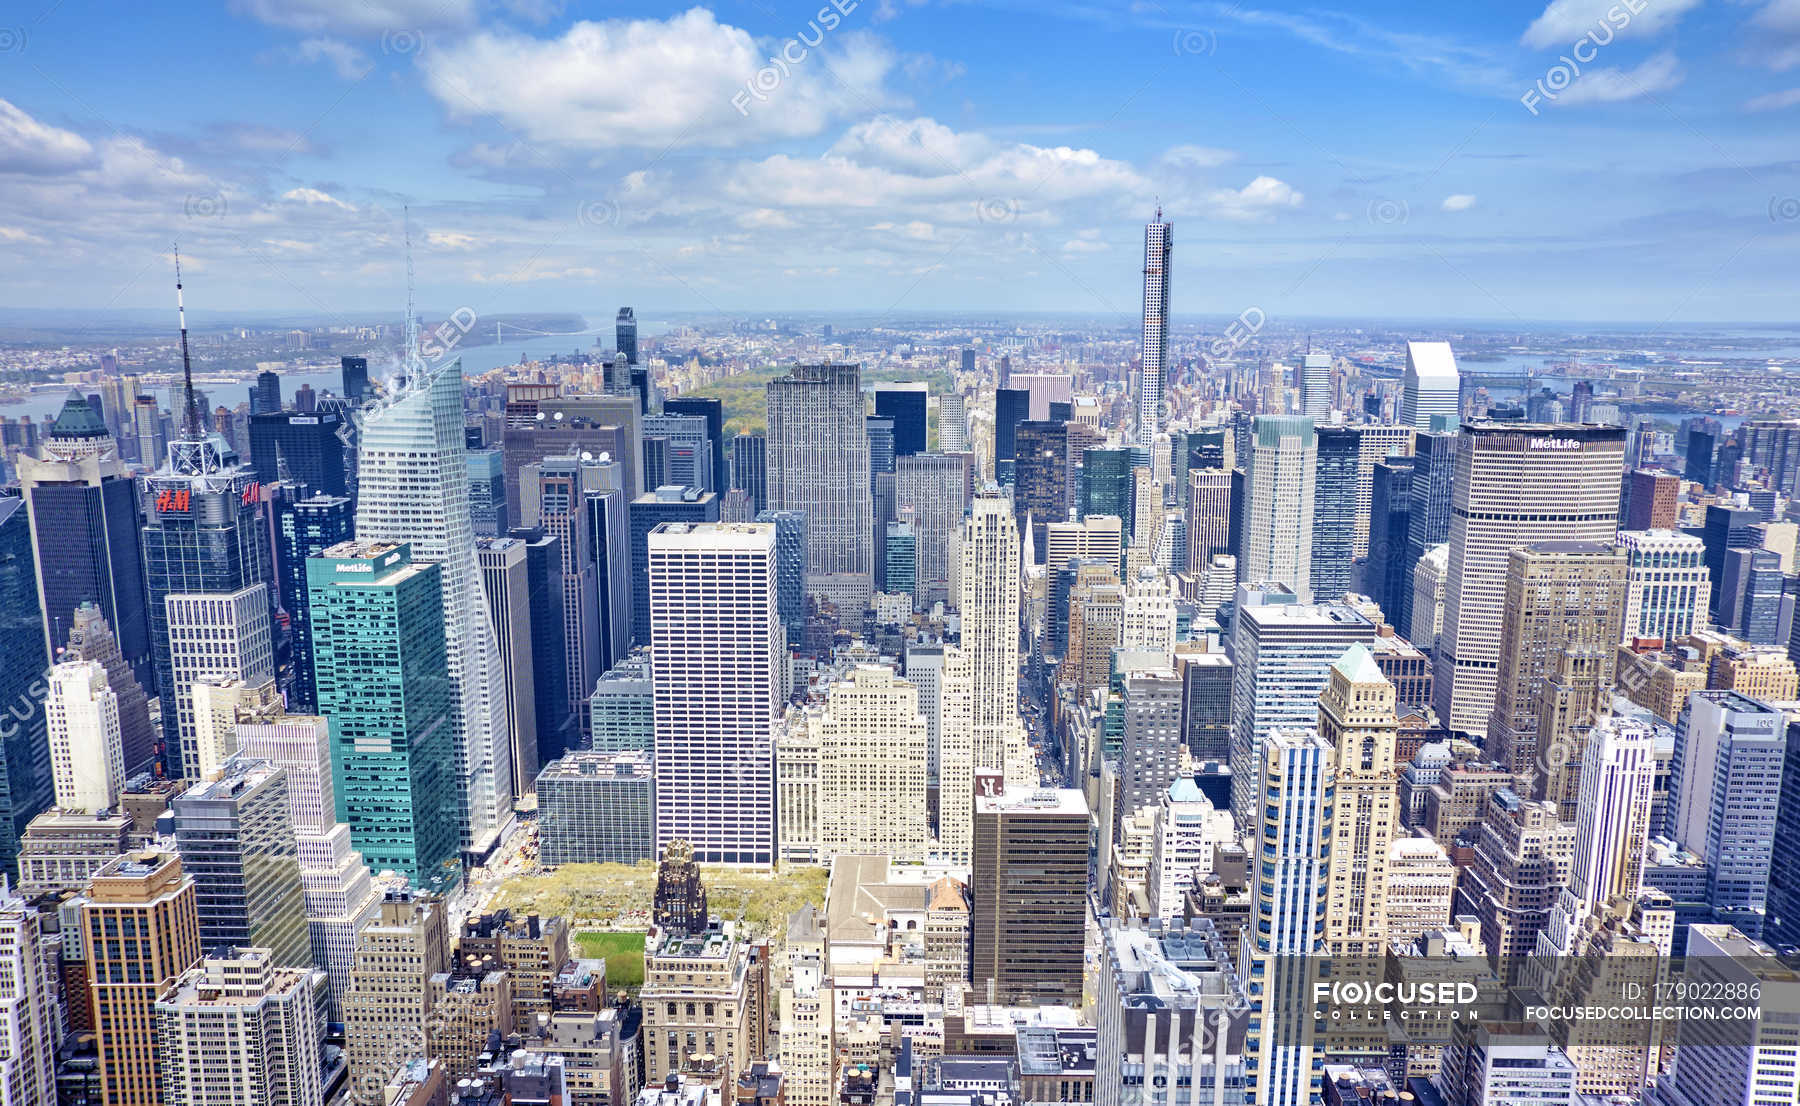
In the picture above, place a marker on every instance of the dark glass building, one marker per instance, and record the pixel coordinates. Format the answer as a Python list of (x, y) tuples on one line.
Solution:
[(299, 449), (749, 468), (1012, 406), (1726, 528), (906, 406), (1041, 477), (625, 336), (305, 528), (790, 568), (356, 378), (1390, 522), (266, 395), (26, 789), (487, 493), (1428, 509), (1106, 484), (1334, 512), (1206, 706), (556, 723)]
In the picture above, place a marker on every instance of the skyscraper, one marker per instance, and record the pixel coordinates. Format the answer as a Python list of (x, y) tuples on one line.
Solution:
[(1278, 508), (1151, 744), (414, 489), (290, 447), (30, 1014), (1315, 385), (205, 536), (556, 722), (1390, 520), (1334, 511), (1152, 403), (981, 678), (387, 1008), (140, 931), (303, 529), (1723, 782), (953, 423), (27, 790), (1209, 517), (236, 837), (625, 335), (553, 494), (1668, 591), (1515, 483), (934, 487), (222, 634), (648, 511), (749, 468), (355, 374), (1428, 509), (905, 403), (718, 674), (1041, 477), (91, 639), (713, 411), (1356, 717), (86, 757), (381, 662), (541, 422), (1612, 824), (84, 525), (818, 460), (1431, 385), (1012, 406), (487, 493), (1029, 890), (506, 585), (241, 1027)]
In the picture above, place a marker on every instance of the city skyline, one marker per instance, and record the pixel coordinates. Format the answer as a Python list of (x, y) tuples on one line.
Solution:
[(1504, 165)]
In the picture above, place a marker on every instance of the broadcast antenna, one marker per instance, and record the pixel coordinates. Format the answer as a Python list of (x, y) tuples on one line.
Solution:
[(192, 415), (412, 322)]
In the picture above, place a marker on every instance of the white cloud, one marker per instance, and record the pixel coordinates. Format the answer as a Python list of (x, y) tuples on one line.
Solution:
[(451, 240), (1255, 202), (1781, 16), (1658, 73), (1086, 241), (361, 17), (28, 146), (351, 64), (1459, 201), (655, 83), (1773, 101), (312, 197), (1566, 21), (14, 234)]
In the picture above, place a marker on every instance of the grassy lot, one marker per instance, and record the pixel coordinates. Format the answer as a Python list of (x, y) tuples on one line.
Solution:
[(618, 896), (623, 953)]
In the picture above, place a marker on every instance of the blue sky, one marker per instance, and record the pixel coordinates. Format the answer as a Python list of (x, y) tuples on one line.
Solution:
[(1618, 159)]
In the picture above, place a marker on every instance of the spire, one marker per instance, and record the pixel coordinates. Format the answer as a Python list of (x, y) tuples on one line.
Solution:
[(191, 415), (412, 323)]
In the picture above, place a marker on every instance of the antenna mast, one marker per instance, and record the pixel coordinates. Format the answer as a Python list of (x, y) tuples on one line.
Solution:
[(412, 322), (192, 415)]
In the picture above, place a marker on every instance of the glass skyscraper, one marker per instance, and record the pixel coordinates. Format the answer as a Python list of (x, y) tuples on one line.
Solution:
[(382, 671), (25, 782), (303, 529), (1334, 511)]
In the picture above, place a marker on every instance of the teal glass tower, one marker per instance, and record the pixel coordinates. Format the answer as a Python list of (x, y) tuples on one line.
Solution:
[(383, 679)]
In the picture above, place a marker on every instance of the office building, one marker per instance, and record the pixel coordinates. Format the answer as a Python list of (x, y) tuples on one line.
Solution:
[(1282, 655), (1152, 402), (749, 468), (1420, 891), (980, 699), (222, 635), (1040, 476), (902, 559), (872, 768), (28, 786), (1667, 592), (1293, 830), (487, 493), (648, 511), (388, 1007), (242, 1028), (1315, 385), (305, 528), (1428, 510), (1565, 601), (205, 536), (1431, 385), (1209, 517), (934, 487), (1752, 587), (340, 897), (1334, 510), (140, 932), (1727, 528), (31, 1013), (1515, 483), (506, 586), (1522, 855), (1277, 535), (379, 626), (1741, 1061), (818, 462), (355, 377), (86, 547), (905, 403), (678, 451), (1375, 443), (953, 423), (703, 1010), (1029, 895), (307, 450), (1506, 1062), (625, 335), (1206, 680), (1725, 791), (554, 495), (597, 808), (713, 412), (1383, 573), (236, 837), (719, 674), (87, 758), (1150, 756), (1356, 718), (1171, 1014), (1012, 406), (414, 488), (542, 423), (1651, 499)]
